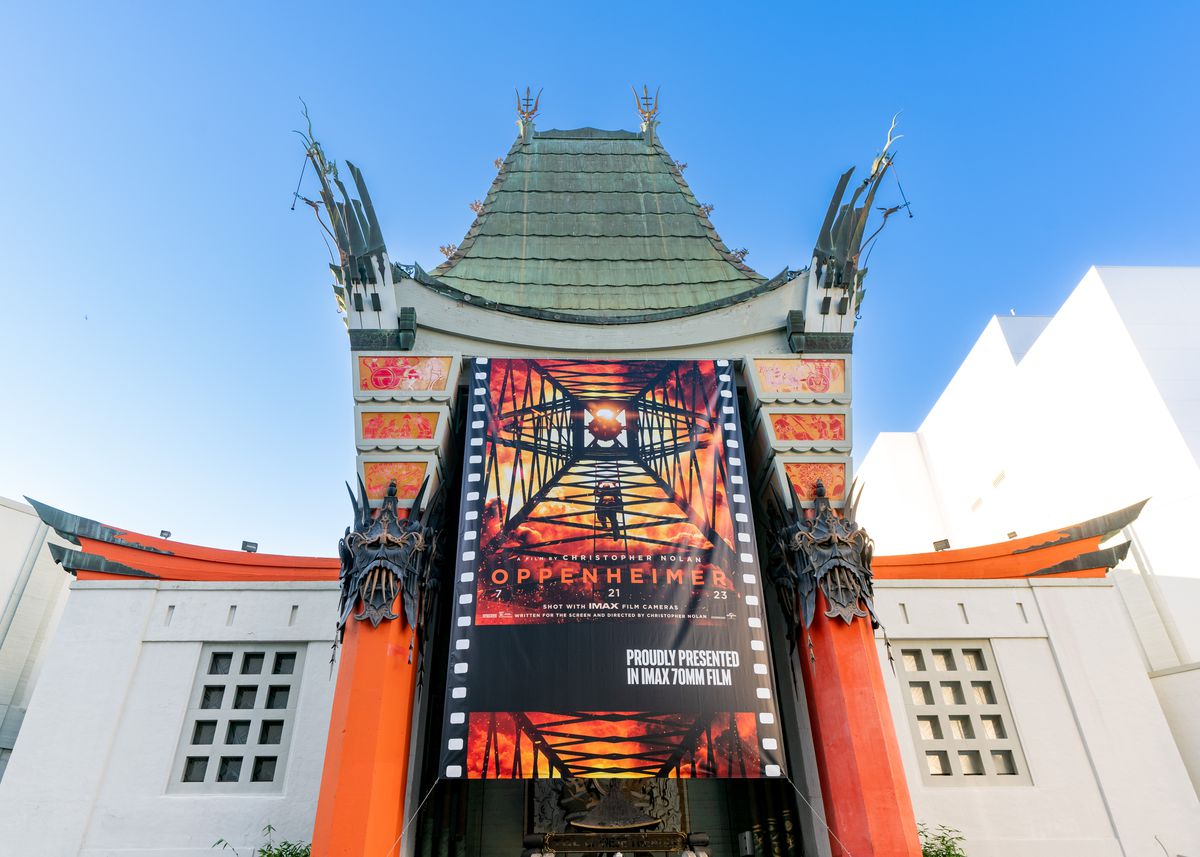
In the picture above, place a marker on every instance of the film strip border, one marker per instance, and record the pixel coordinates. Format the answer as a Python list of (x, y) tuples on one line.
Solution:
[(457, 720), (743, 525)]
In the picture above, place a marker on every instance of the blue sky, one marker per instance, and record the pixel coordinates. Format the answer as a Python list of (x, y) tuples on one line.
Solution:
[(171, 353)]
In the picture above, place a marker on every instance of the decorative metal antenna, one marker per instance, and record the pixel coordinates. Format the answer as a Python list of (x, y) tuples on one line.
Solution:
[(885, 157), (645, 106), (648, 109), (527, 107)]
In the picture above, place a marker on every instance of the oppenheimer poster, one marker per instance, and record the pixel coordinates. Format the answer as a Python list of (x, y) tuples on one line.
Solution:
[(609, 616)]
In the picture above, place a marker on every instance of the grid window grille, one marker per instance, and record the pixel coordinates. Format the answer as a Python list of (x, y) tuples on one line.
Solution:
[(239, 720), (959, 715)]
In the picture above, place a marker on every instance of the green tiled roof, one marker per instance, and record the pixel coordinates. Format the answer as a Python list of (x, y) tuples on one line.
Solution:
[(595, 224)]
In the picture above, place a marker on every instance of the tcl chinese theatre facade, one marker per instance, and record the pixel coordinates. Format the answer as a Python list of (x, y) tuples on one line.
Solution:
[(602, 588)]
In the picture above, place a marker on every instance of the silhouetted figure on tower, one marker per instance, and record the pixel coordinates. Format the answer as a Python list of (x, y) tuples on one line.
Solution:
[(608, 506)]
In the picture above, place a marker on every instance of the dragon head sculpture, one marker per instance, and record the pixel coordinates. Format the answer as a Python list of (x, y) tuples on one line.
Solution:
[(385, 557), (829, 553)]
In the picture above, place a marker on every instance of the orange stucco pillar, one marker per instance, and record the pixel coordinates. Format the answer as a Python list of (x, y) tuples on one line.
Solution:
[(360, 811), (867, 803)]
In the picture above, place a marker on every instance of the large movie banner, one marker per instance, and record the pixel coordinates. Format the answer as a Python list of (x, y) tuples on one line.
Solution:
[(609, 616)]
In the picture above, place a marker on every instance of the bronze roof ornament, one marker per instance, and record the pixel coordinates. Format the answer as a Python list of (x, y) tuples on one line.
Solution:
[(647, 108), (527, 111)]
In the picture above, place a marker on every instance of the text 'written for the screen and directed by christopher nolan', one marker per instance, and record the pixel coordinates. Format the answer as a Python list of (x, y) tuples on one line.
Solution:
[(692, 667)]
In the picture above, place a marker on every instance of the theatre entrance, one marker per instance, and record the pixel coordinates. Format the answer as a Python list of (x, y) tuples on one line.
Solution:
[(722, 818)]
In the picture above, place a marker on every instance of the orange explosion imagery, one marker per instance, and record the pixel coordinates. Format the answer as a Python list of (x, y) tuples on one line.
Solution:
[(612, 744), (605, 486)]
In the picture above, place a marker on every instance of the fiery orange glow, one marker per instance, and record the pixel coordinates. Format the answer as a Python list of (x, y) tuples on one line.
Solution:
[(611, 744), (671, 502)]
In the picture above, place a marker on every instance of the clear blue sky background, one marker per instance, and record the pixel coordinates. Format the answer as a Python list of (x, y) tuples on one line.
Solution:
[(171, 355)]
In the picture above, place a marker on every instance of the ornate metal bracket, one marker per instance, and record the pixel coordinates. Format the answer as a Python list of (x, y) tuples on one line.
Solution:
[(828, 553)]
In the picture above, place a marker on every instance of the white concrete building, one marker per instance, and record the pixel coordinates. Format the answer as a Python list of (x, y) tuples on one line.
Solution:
[(1055, 419), (32, 593), (100, 764), (1062, 418)]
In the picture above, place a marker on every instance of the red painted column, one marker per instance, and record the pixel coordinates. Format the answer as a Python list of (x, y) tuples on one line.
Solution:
[(867, 803), (360, 811)]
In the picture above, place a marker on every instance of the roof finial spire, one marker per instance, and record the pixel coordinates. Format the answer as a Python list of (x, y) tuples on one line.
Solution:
[(527, 109), (884, 158), (648, 109)]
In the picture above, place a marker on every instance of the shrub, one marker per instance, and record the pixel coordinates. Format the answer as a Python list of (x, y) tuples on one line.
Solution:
[(943, 842), (271, 848)]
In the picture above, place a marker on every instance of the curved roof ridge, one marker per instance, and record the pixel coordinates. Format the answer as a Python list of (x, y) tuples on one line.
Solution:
[(714, 236)]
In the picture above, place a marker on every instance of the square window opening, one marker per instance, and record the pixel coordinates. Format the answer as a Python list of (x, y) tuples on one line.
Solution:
[(984, 693), (238, 732), (961, 728), (277, 696), (922, 694), (993, 727), (943, 660), (938, 763), (952, 693), (230, 769), (971, 763), (973, 660), (271, 732), (1004, 763), (194, 768), (930, 728), (212, 696), (264, 769)]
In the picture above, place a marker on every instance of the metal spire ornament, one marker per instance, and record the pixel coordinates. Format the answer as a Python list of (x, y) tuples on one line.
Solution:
[(527, 110), (647, 108)]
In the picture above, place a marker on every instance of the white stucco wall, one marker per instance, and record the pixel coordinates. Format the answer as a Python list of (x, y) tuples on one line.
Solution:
[(32, 594), (1106, 777), (1052, 422), (90, 772), (1099, 412)]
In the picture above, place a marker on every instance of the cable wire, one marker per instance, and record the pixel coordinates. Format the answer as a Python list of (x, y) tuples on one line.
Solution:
[(820, 818), (412, 818)]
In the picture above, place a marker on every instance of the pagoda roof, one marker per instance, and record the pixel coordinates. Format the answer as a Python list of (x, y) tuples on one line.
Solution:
[(596, 226)]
